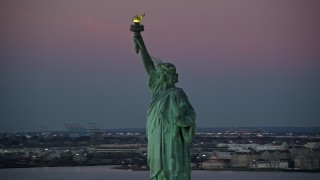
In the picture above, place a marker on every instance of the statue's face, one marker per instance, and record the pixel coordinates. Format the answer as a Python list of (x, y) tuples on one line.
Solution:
[(167, 73), (175, 78), (171, 78)]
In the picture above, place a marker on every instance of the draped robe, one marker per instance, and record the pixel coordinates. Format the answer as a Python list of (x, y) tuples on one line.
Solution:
[(170, 129)]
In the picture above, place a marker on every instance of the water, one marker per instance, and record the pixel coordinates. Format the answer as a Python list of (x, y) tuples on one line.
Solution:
[(106, 173)]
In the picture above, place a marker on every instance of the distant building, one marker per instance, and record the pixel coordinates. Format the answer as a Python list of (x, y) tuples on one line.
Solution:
[(243, 159), (275, 155), (283, 164), (221, 156), (91, 149), (305, 158), (245, 148), (304, 162), (52, 155), (79, 158), (271, 147), (216, 159), (212, 164), (220, 145), (312, 145), (261, 163)]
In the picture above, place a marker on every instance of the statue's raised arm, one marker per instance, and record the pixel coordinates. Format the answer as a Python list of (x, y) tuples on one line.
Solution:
[(139, 44)]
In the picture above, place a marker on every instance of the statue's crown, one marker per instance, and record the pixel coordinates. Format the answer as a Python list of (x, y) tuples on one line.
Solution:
[(166, 67)]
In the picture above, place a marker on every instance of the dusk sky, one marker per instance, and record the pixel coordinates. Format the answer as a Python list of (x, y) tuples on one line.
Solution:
[(248, 63)]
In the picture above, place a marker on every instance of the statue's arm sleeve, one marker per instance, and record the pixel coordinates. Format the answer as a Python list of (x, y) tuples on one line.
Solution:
[(186, 118), (146, 58), (186, 115)]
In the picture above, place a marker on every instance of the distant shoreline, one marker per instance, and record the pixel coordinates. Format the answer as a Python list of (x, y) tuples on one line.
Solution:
[(230, 169), (119, 167), (278, 129)]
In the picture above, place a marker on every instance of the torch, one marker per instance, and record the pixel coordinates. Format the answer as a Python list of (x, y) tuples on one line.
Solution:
[(136, 27)]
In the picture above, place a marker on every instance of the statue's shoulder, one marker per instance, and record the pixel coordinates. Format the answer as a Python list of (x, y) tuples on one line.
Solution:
[(152, 73), (179, 91), (152, 79)]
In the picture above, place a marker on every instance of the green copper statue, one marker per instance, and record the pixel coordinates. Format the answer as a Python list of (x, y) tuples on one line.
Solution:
[(170, 118)]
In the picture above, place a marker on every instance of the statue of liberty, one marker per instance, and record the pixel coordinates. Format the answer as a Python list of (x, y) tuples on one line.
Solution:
[(170, 117)]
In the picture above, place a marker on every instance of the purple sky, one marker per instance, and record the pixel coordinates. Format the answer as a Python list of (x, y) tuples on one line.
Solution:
[(241, 62)]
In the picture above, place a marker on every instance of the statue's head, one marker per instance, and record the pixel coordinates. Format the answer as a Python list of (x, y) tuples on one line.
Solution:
[(167, 72)]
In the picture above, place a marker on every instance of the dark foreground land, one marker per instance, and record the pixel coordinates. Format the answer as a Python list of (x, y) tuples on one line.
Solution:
[(224, 149)]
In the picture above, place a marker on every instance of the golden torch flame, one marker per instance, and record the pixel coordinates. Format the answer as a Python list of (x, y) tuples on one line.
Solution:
[(137, 18)]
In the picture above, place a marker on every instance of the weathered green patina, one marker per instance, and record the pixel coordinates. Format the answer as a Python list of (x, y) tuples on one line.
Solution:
[(170, 118)]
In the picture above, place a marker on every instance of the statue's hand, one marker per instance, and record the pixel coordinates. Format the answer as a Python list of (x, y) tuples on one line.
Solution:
[(180, 119), (181, 122)]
